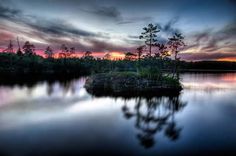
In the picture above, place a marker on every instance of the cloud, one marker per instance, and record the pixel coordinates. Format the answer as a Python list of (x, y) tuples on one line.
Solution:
[(8, 13), (212, 45), (57, 31), (169, 27), (230, 29), (129, 20), (52, 26), (57, 27), (107, 12), (114, 14), (202, 36), (207, 56)]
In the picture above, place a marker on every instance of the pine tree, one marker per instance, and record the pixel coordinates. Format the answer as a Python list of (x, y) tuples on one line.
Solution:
[(149, 35), (176, 43)]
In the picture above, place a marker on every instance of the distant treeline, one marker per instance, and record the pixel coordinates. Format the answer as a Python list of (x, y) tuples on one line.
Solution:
[(208, 66), (11, 63)]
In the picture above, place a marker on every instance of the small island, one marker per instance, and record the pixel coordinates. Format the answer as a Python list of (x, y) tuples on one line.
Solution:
[(148, 80), (135, 83)]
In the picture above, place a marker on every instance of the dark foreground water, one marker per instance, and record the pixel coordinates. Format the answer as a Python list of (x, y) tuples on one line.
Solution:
[(63, 119)]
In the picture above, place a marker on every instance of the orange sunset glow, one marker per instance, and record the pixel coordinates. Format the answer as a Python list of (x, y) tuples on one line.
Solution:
[(113, 55), (230, 59)]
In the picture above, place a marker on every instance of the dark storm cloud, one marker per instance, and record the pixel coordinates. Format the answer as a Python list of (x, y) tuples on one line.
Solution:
[(53, 26), (169, 27), (8, 13), (202, 36), (114, 14), (230, 29), (57, 28), (107, 12)]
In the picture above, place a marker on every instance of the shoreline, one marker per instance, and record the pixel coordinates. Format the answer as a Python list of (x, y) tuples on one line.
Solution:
[(206, 71)]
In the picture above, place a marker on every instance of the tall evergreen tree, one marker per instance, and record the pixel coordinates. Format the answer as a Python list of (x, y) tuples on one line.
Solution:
[(149, 35), (176, 43)]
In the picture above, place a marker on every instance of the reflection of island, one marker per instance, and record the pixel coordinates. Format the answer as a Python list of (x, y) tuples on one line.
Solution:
[(154, 115)]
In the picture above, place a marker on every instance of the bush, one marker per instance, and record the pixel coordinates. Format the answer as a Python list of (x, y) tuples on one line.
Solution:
[(151, 73)]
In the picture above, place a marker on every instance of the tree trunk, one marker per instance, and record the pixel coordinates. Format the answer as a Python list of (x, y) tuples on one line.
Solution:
[(150, 46), (176, 65)]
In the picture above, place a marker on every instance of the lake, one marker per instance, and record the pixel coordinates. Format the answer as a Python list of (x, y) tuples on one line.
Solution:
[(61, 118)]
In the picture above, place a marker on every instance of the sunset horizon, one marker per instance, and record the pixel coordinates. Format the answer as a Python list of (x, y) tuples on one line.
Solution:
[(110, 26)]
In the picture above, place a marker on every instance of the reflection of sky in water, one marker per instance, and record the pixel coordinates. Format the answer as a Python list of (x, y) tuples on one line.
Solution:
[(65, 113), (209, 81)]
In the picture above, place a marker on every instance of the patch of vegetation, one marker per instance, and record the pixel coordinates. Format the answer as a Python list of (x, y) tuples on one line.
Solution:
[(171, 80), (150, 73)]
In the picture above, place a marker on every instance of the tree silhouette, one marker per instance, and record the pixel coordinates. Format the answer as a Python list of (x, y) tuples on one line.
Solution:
[(18, 52), (107, 56), (9, 48), (140, 52), (176, 43), (130, 56), (149, 35), (72, 50), (49, 52), (64, 48), (64, 51), (69, 51), (88, 55), (28, 48), (163, 50)]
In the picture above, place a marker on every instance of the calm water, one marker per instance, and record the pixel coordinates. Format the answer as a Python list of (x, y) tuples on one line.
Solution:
[(63, 119)]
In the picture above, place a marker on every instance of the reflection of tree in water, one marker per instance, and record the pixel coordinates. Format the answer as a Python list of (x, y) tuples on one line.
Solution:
[(65, 86), (154, 115), (50, 88), (68, 86)]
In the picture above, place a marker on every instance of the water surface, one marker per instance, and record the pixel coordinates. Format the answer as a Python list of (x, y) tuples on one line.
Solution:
[(61, 118)]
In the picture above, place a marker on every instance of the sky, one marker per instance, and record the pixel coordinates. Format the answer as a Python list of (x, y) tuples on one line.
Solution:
[(106, 26)]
